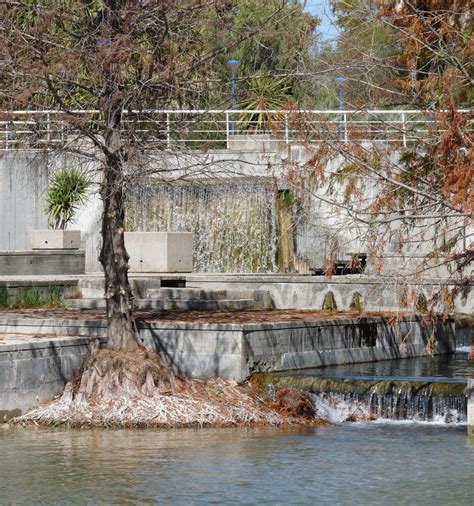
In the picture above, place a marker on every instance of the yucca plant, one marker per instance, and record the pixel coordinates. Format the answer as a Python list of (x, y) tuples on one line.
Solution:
[(67, 191), (265, 93)]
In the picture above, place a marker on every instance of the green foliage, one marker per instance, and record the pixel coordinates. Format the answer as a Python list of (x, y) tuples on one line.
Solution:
[(421, 303), (265, 93), (67, 191), (33, 298), (329, 303), (356, 302), (3, 297), (287, 199)]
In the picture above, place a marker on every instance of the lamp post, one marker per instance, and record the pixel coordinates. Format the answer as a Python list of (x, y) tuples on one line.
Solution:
[(233, 65), (342, 127)]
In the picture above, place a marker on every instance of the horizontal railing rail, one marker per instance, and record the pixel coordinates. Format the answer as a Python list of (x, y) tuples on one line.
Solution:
[(220, 129)]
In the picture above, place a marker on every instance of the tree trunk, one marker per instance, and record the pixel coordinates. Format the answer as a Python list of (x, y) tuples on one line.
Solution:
[(121, 330), (122, 333)]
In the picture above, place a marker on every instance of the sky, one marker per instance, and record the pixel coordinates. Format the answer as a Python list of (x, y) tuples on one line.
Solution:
[(322, 9)]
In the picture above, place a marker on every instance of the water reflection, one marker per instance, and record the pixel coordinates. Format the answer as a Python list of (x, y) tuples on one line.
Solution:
[(336, 465), (438, 366)]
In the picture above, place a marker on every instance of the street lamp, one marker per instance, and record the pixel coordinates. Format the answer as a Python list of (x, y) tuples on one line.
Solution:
[(233, 65), (340, 81)]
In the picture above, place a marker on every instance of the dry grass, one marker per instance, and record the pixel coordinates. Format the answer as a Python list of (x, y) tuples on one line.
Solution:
[(117, 389)]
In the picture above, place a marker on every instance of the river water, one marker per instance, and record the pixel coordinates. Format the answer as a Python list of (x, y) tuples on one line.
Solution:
[(343, 464), (451, 366)]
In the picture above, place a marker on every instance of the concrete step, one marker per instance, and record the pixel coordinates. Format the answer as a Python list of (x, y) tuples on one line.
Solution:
[(171, 305), (198, 294), (93, 286)]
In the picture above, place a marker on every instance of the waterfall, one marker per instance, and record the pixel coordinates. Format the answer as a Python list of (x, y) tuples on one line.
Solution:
[(361, 399), (234, 223), (339, 408)]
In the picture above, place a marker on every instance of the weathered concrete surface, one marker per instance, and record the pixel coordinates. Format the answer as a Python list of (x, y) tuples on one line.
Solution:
[(309, 292), (35, 370), (160, 251), (42, 262), (55, 239), (470, 407), (44, 360)]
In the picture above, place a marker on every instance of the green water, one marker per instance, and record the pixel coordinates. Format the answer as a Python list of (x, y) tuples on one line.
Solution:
[(349, 464)]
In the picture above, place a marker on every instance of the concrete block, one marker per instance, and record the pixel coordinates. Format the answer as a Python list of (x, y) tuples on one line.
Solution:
[(42, 263), (160, 251), (55, 239)]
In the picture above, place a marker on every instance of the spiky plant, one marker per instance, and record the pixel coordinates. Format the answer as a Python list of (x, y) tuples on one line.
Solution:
[(265, 93), (67, 191)]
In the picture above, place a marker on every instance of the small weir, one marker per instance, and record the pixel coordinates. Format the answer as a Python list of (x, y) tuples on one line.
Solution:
[(353, 397)]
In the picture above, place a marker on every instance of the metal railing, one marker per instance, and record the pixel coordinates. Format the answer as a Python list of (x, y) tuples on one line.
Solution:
[(220, 129)]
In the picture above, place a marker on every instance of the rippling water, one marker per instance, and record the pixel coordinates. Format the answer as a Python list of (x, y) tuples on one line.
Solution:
[(455, 365), (348, 464)]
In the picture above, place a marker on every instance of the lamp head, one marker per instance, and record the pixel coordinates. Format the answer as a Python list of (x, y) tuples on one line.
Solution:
[(233, 64)]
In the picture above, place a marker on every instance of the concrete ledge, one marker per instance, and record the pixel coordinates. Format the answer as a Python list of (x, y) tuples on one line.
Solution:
[(38, 356), (308, 292), (42, 262)]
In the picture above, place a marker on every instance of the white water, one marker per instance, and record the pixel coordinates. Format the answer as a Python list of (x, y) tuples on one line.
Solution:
[(339, 408)]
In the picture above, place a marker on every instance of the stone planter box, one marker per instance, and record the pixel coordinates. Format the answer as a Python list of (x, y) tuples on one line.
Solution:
[(160, 251), (55, 239)]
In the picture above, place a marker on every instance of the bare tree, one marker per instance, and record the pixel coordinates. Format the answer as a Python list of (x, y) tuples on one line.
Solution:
[(121, 58)]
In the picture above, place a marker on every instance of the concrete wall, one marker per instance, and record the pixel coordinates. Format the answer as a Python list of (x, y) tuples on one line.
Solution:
[(33, 372), (309, 292), (23, 181), (42, 263), (37, 357), (318, 229), (23, 184)]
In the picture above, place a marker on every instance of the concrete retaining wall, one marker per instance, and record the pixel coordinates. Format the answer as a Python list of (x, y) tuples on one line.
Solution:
[(37, 361), (42, 263), (309, 292), (32, 372)]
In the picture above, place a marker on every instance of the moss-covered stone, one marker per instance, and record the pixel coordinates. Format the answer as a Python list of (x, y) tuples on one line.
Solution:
[(329, 303)]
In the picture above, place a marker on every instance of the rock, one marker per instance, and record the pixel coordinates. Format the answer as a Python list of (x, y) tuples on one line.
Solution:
[(293, 402)]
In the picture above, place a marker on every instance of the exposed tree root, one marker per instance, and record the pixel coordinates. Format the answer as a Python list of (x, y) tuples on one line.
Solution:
[(133, 389), (107, 375)]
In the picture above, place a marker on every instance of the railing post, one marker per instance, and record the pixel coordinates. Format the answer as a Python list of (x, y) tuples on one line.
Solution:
[(48, 128), (168, 133), (404, 130), (287, 136), (7, 137), (345, 126), (227, 129)]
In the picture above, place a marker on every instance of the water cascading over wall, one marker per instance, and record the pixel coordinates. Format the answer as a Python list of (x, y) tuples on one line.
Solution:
[(234, 223)]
